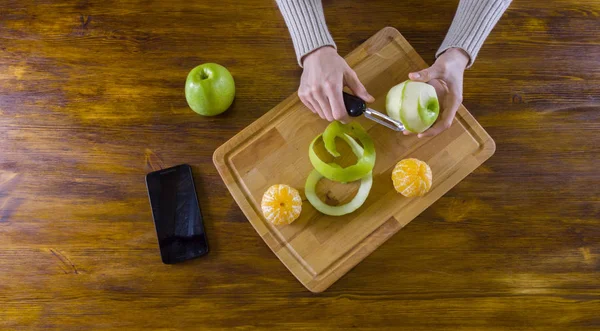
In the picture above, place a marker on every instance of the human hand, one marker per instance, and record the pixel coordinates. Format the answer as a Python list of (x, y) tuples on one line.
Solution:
[(324, 76), (446, 76)]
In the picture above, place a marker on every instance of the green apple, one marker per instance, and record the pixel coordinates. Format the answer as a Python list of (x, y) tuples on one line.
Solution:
[(209, 89), (415, 104)]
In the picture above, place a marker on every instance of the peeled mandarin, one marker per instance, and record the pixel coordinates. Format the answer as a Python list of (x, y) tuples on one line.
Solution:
[(281, 204), (412, 177)]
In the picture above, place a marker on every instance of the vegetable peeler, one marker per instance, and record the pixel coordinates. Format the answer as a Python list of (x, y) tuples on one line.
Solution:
[(356, 106)]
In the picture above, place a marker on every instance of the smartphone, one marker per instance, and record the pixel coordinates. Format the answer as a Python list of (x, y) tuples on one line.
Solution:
[(176, 212)]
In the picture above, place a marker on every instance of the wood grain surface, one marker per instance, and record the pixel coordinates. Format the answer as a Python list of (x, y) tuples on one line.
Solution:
[(319, 249), (91, 98)]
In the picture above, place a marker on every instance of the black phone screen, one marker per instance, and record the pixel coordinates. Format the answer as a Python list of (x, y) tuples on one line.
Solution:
[(177, 216)]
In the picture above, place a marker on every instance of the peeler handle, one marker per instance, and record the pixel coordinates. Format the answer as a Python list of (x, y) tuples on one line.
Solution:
[(355, 106)]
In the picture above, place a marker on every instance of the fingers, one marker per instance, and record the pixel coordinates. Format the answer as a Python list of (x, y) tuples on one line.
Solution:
[(309, 102), (326, 100), (351, 80), (322, 83), (452, 103), (317, 108), (336, 101), (441, 89), (436, 129), (426, 75), (323, 102)]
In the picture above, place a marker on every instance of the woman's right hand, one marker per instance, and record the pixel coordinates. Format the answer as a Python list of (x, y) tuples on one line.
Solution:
[(324, 76)]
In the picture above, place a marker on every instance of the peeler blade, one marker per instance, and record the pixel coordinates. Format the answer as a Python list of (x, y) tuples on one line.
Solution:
[(383, 119)]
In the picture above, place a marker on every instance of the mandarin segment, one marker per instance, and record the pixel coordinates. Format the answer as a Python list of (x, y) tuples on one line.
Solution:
[(412, 177), (281, 204)]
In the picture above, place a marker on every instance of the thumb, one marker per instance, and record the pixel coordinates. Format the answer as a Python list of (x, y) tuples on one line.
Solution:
[(425, 75), (352, 81)]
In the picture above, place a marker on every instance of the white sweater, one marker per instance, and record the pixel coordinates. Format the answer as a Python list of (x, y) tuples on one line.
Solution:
[(473, 22)]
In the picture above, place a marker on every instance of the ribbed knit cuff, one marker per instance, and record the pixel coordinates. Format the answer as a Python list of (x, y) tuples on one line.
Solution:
[(306, 22), (473, 22)]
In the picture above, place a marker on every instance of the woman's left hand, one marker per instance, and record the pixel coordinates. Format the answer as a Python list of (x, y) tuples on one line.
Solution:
[(446, 76)]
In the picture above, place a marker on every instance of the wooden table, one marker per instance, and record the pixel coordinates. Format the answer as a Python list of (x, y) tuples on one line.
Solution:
[(91, 98)]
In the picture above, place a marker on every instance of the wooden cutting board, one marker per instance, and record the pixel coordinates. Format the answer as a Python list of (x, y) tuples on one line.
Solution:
[(319, 249)]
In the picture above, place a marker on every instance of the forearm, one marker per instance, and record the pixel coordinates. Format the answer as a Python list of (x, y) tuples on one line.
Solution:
[(473, 22), (306, 22)]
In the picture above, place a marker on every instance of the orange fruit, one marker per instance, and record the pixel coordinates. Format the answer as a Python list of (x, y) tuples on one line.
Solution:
[(412, 177), (281, 204)]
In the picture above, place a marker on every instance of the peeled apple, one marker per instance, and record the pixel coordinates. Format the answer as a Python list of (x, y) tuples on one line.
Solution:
[(415, 104)]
